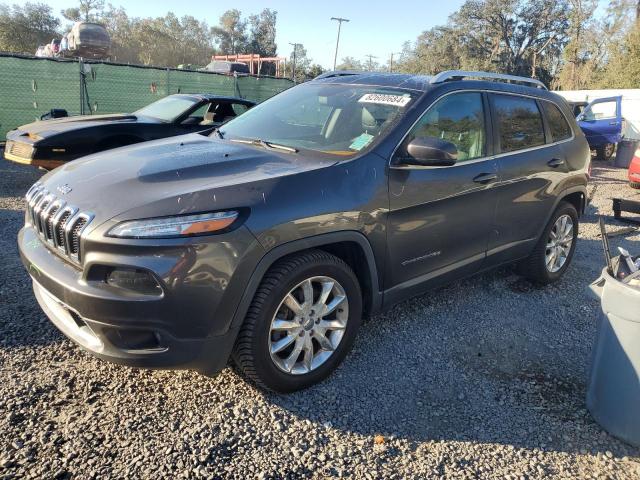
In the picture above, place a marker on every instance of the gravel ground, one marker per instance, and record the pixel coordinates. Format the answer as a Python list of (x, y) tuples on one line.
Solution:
[(483, 379)]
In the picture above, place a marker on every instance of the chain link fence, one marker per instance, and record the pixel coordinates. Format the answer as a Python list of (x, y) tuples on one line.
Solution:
[(30, 87)]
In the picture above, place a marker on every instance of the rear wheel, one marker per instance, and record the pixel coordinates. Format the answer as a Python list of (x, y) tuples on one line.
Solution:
[(301, 323), (554, 251), (606, 151)]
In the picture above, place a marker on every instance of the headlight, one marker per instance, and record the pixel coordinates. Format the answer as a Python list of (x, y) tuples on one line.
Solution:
[(180, 226)]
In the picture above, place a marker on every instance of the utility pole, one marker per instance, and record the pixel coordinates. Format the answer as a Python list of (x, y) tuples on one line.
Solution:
[(293, 67), (339, 20), (391, 60), (370, 57)]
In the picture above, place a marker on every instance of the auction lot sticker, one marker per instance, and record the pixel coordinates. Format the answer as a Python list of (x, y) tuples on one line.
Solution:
[(385, 99)]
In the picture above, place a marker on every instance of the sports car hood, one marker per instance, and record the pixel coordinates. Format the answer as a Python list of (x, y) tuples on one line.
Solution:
[(177, 175), (46, 128)]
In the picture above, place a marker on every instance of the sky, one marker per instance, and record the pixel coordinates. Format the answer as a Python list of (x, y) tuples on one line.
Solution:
[(376, 27)]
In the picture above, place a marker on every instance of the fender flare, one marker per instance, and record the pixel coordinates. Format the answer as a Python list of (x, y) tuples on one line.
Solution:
[(560, 197), (302, 244)]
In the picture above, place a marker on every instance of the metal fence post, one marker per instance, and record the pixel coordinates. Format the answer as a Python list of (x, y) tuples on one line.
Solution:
[(168, 80), (82, 92)]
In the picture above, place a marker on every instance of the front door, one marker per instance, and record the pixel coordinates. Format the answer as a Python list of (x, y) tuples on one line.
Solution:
[(440, 217), (601, 121)]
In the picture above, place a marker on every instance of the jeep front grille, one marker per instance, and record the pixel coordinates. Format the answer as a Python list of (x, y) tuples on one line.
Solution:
[(58, 225)]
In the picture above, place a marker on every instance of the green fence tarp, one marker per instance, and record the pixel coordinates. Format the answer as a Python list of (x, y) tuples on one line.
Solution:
[(32, 86)]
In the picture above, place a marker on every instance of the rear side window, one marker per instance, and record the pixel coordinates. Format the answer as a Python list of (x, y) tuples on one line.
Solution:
[(519, 122), (560, 129)]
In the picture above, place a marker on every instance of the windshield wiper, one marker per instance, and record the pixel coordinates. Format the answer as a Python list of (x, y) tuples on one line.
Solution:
[(218, 132), (265, 144)]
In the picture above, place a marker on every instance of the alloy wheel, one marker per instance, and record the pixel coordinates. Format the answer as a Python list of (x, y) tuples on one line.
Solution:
[(308, 325), (559, 243)]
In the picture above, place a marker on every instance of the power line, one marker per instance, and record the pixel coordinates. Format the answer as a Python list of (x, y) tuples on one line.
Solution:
[(339, 20)]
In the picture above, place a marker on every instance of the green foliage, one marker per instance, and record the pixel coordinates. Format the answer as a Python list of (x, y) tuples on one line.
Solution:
[(24, 28), (559, 42), (262, 39), (623, 70)]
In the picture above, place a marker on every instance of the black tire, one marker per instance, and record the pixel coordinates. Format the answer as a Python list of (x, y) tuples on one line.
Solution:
[(534, 267), (251, 353), (605, 152)]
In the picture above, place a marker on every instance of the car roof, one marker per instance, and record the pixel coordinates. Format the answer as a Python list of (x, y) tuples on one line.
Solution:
[(422, 83), (380, 79), (212, 96)]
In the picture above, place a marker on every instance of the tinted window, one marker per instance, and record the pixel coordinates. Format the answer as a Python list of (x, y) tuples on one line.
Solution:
[(560, 129), (519, 122), (459, 119)]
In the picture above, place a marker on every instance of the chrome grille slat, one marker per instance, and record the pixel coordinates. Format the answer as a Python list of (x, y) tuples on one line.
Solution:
[(56, 223)]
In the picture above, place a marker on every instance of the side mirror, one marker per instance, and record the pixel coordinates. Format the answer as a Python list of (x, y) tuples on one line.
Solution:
[(431, 152)]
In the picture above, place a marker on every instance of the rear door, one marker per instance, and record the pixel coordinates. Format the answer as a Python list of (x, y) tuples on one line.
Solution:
[(601, 121), (530, 164), (440, 217)]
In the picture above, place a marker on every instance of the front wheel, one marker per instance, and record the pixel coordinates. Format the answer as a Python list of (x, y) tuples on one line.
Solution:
[(554, 251), (301, 323)]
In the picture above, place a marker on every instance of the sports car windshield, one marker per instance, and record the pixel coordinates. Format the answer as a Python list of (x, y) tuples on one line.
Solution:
[(167, 109), (336, 119)]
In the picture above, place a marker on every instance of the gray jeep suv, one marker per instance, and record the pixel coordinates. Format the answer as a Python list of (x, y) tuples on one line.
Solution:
[(268, 242)]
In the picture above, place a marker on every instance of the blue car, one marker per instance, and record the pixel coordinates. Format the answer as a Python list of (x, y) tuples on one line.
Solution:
[(602, 124)]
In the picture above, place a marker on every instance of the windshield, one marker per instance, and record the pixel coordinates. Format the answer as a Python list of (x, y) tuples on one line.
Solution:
[(167, 109), (333, 119)]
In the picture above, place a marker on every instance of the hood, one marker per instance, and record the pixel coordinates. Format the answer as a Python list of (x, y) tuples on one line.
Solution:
[(177, 175), (46, 128)]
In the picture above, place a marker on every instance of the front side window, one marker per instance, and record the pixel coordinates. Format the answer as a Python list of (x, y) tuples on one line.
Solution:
[(560, 129), (519, 122), (459, 119), (600, 111), (334, 119)]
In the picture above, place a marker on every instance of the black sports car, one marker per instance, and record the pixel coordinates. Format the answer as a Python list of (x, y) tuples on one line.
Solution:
[(50, 143)]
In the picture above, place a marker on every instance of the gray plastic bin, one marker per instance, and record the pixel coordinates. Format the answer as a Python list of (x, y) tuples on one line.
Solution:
[(613, 395), (624, 153)]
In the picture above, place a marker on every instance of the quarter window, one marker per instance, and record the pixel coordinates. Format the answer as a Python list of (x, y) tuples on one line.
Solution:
[(519, 122), (560, 129), (456, 118)]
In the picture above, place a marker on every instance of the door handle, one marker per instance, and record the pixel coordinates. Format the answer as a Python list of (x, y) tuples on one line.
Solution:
[(485, 178), (555, 162), (613, 123)]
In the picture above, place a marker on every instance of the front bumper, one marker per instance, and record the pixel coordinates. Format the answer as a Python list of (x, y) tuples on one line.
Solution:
[(187, 327), (21, 152)]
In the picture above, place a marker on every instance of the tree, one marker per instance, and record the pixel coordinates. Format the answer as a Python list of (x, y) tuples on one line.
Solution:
[(23, 28), (231, 32), (315, 70), (521, 37), (623, 69), (304, 67), (350, 63), (87, 11), (262, 39)]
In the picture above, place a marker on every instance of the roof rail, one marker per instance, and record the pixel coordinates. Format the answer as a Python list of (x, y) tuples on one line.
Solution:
[(461, 74), (338, 73)]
